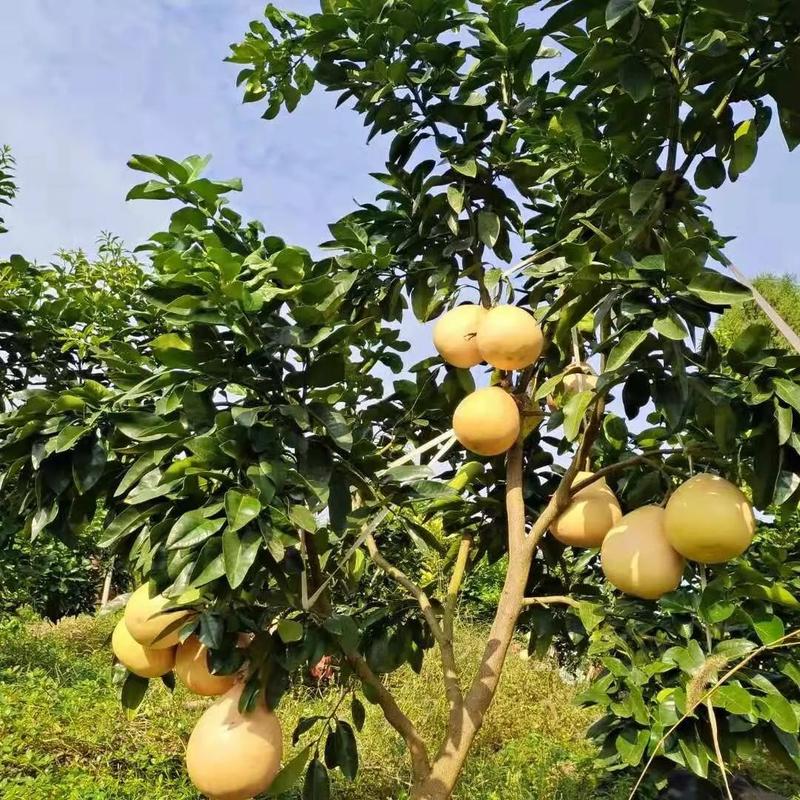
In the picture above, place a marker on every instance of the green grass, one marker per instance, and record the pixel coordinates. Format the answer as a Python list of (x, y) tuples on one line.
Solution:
[(63, 735)]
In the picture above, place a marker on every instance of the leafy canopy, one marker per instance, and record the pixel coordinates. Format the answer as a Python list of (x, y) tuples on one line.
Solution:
[(242, 440)]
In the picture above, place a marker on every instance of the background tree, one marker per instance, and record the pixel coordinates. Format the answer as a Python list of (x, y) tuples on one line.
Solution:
[(249, 452), (782, 292)]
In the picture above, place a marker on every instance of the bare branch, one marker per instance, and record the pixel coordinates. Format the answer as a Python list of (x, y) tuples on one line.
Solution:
[(420, 763), (552, 600), (455, 584), (712, 718)]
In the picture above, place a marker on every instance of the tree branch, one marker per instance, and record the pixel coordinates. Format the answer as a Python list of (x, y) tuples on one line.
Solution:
[(552, 600), (449, 669), (455, 585), (675, 71), (420, 763)]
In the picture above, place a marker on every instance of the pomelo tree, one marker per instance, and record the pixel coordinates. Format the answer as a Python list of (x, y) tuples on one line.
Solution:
[(262, 474)]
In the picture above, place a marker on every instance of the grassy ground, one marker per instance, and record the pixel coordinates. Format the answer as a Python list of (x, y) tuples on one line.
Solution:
[(63, 735)]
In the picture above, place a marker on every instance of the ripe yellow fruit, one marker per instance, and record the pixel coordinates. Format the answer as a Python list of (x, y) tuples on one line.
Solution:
[(709, 520), (455, 335), (594, 510), (191, 666), (637, 558), (577, 382), (233, 756), (509, 338), (487, 421), (142, 661), (146, 622)]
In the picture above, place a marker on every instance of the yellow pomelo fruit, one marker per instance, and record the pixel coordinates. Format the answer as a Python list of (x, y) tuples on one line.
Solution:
[(147, 623), (455, 335), (637, 558), (142, 661), (191, 666), (709, 520), (487, 421), (594, 510), (233, 756), (509, 338), (577, 382)]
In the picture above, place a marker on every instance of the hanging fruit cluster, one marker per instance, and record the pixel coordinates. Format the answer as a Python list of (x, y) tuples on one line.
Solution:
[(643, 553), (508, 338), (232, 754)]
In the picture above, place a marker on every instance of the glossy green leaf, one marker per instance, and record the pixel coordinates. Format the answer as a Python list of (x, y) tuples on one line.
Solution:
[(241, 508), (239, 550)]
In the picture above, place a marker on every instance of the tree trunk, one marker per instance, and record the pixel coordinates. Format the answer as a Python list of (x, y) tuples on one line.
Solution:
[(466, 721)]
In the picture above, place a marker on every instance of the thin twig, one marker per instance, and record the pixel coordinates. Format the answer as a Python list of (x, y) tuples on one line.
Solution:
[(712, 718), (791, 639), (551, 601), (454, 587)]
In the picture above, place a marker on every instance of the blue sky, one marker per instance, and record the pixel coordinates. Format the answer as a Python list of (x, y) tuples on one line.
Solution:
[(85, 84)]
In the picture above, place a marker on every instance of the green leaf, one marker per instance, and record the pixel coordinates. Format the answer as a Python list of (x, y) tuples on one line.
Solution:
[(788, 391), (335, 424), (768, 627), (301, 517), (359, 714), (125, 523), (624, 349), (290, 630), (617, 10), (455, 198), (317, 784), (468, 168), (88, 466), (574, 411), (631, 744), (734, 699), (133, 692), (671, 326), (66, 439), (710, 173), (641, 192), (785, 419), (346, 750), (745, 147), (591, 615), (241, 508), (192, 528), (488, 228), (239, 551), (781, 712), (636, 79), (718, 289), (288, 777), (290, 264)]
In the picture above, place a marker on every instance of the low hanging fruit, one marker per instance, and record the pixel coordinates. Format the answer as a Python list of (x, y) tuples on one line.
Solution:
[(638, 559), (147, 623), (145, 662), (191, 667), (509, 338), (591, 514), (487, 421), (709, 520), (455, 334), (234, 756)]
